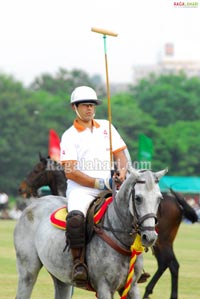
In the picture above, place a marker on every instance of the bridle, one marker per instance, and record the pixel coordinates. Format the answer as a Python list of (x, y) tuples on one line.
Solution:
[(138, 226), (138, 221)]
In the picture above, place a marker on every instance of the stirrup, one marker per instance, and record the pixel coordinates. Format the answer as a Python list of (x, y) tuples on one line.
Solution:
[(82, 277)]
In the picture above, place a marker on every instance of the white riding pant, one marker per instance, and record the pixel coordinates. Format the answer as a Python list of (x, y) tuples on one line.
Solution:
[(80, 198)]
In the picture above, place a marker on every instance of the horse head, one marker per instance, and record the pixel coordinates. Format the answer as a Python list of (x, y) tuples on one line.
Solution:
[(35, 179), (26, 190), (45, 173), (142, 194)]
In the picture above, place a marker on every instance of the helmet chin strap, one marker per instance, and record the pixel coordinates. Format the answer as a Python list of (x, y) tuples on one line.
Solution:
[(78, 114)]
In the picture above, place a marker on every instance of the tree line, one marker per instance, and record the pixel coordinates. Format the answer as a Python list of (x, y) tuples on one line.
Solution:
[(165, 108)]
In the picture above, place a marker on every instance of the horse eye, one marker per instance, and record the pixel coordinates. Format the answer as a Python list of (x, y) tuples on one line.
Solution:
[(138, 199)]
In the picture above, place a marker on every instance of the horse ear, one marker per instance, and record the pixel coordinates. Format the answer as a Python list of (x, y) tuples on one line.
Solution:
[(161, 173), (40, 156), (42, 159)]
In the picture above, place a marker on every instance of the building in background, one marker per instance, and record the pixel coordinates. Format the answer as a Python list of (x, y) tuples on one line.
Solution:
[(168, 63)]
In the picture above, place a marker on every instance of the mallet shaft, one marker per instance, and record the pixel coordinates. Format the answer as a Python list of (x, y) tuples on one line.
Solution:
[(103, 31)]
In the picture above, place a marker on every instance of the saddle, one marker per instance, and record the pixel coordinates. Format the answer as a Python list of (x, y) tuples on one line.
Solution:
[(96, 212), (94, 215)]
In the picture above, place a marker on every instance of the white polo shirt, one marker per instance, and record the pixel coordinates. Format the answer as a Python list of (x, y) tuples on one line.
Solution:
[(91, 149)]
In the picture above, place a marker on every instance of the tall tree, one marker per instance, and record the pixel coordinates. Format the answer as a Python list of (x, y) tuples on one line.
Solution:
[(62, 83), (169, 98), (178, 148)]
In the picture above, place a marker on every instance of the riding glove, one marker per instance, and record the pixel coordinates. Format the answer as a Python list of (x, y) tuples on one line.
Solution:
[(103, 184)]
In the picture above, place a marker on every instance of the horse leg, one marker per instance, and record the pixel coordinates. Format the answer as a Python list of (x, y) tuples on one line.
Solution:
[(62, 290), (134, 292), (149, 288), (174, 269), (27, 278), (103, 290), (28, 262)]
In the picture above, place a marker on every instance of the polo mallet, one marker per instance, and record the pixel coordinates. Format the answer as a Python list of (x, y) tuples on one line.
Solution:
[(105, 33)]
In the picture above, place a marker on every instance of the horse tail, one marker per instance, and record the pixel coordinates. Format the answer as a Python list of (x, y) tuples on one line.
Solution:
[(188, 212)]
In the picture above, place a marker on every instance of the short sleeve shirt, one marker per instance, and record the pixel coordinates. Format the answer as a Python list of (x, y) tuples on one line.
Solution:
[(91, 149)]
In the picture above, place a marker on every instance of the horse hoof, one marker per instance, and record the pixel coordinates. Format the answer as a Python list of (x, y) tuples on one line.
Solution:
[(143, 278)]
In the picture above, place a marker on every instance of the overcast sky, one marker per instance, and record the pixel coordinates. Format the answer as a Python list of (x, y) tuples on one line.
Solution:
[(39, 36)]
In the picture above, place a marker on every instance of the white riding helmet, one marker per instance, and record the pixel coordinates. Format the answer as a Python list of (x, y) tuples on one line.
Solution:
[(84, 94)]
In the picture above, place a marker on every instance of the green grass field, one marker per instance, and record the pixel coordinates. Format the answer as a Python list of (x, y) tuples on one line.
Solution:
[(187, 249)]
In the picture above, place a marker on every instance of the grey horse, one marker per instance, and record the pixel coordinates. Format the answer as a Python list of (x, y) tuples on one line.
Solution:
[(38, 243)]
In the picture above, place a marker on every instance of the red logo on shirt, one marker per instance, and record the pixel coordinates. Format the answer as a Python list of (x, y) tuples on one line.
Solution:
[(105, 132)]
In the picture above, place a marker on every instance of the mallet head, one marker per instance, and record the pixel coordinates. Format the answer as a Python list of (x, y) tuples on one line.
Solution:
[(104, 31)]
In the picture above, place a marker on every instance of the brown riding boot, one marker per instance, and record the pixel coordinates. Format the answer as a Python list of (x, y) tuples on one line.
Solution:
[(76, 240)]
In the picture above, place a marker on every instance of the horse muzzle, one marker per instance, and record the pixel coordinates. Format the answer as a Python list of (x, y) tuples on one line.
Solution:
[(148, 233), (25, 190), (148, 238)]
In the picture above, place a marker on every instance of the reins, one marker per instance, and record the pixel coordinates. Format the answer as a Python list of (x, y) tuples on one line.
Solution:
[(137, 225), (101, 233)]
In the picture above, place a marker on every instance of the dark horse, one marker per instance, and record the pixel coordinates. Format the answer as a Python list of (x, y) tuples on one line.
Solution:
[(170, 214), (45, 173)]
